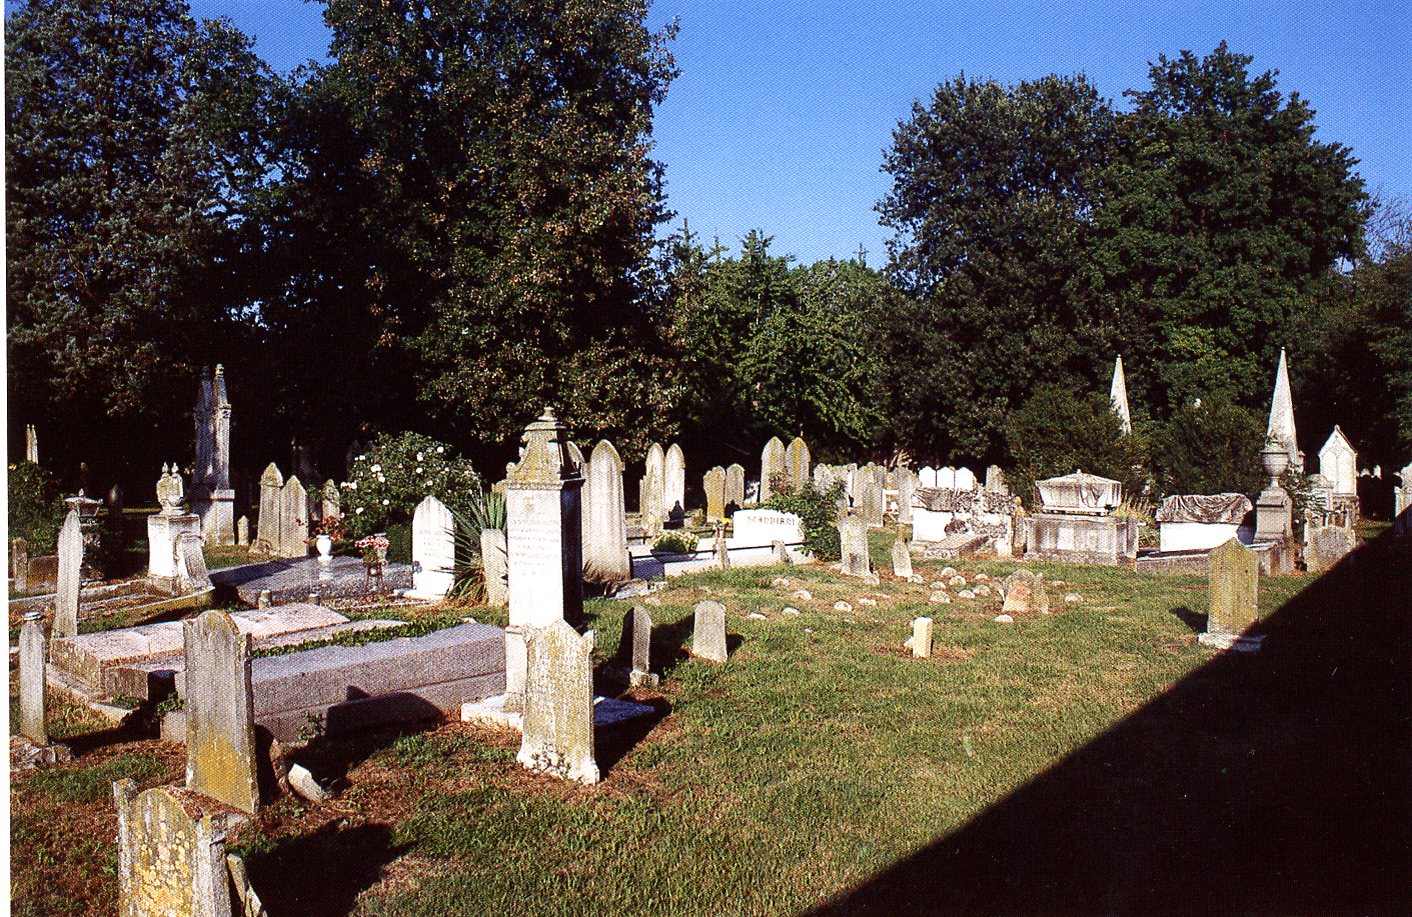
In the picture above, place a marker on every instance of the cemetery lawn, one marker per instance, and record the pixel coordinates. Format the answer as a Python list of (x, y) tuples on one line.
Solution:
[(817, 758)]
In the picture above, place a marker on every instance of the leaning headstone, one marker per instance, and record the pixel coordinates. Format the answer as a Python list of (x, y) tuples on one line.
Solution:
[(33, 659), (1024, 593), (853, 544), (294, 519), (674, 482), (901, 560), (269, 525), (544, 547), (920, 643), (708, 640), (191, 574), (19, 565), (735, 487), (1234, 606), (171, 854), (433, 549), (605, 546), (70, 574), (637, 629), (714, 483), (772, 467), (723, 554), (1326, 546), (494, 563), (220, 712), (558, 703), (798, 463)]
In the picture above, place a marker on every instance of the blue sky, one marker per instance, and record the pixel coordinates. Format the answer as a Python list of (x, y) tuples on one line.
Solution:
[(781, 112)]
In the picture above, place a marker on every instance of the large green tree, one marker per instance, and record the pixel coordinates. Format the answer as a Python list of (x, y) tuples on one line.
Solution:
[(477, 185), (1222, 211), (993, 193), (135, 144)]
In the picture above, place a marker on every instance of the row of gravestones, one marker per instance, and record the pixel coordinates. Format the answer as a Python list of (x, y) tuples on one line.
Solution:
[(288, 510)]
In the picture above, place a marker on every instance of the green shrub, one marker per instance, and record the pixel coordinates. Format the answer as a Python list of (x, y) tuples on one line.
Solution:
[(1209, 449), (387, 482), (485, 511), (37, 508), (1057, 432), (817, 511), (675, 543)]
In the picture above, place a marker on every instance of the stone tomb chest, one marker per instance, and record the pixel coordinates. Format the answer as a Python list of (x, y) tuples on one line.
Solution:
[(1076, 523), (1200, 522)]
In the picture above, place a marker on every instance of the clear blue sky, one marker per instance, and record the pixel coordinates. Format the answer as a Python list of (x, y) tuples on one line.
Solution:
[(781, 112)]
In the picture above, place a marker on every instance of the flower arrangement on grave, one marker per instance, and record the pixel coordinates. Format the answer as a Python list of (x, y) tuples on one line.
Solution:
[(675, 543), (330, 525), (386, 483), (374, 550)]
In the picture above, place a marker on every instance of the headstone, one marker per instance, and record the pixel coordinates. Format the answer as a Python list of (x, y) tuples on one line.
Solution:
[(31, 444), (19, 565), (1326, 545), (723, 554), (798, 463), (191, 573), (433, 549), (965, 479), (1338, 462), (653, 492), (906, 490), (329, 499), (1281, 426), (558, 702), (1235, 584), (70, 575), (212, 498), (242, 531), (995, 480), (495, 564), (674, 482), (171, 854), (708, 639), (1118, 396), (921, 641), (772, 466), (33, 661), (1024, 592), (269, 523), (714, 483), (735, 487), (605, 547), (853, 543), (543, 543), (901, 559), (927, 477), (294, 519), (220, 712), (868, 497), (637, 632)]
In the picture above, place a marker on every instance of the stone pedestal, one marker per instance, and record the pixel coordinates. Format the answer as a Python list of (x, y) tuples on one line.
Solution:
[(217, 513), (163, 532), (1101, 540), (1274, 515)]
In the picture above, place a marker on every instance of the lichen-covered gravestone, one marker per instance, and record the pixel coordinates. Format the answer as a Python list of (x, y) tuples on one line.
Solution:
[(220, 712), (708, 639), (1234, 605), (772, 467), (853, 543), (171, 854), (70, 573), (798, 463), (1024, 592), (269, 524), (901, 559), (1326, 546), (714, 483), (558, 703)]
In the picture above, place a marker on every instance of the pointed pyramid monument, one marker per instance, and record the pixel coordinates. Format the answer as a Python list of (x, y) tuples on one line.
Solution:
[(1118, 395), (1281, 428)]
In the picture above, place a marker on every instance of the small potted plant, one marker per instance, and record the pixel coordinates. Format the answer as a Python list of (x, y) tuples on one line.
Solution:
[(674, 545), (374, 550), (326, 530)]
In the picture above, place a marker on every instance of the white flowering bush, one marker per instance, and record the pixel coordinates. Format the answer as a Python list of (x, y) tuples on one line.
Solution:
[(387, 482)]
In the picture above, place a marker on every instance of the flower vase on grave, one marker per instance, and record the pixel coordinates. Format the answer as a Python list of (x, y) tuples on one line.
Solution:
[(324, 545)]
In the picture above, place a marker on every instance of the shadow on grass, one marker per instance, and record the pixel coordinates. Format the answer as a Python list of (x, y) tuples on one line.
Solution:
[(1192, 619), (322, 873), (1270, 783)]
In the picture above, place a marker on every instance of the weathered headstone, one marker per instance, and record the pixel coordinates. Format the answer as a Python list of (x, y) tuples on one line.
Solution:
[(171, 854), (329, 499), (723, 554), (294, 519), (1024, 593), (853, 544), (433, 549), (19, 564), (653, 492), (269, 524), (212, 498), (1234, 604), (901, 559), (543, 543), (708, 639), (558, 702), (637, 632), (242, 531), (191, 573), (70, 575), (674, 482), (868, 496), (1326, 546), (735, 487), (920, 643), (714, 483), (220, 712), (906, 490), (495, 564), (33, 660), (995, 480), (772, 466), (798, 463), (605, 547)]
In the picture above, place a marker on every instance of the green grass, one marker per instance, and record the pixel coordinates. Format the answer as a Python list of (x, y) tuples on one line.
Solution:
[(92, 784)]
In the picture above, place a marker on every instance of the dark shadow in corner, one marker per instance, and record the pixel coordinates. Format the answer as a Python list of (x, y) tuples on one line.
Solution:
[(1193, 619), (1278, 782), (322, 874)]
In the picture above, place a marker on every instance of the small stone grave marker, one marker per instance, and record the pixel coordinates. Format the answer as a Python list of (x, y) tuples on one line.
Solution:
[(1024, 592), (709, 636), (901, 560), (853, 537), (33, 659), (171, 854), (920, 643), (1234, 605)]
